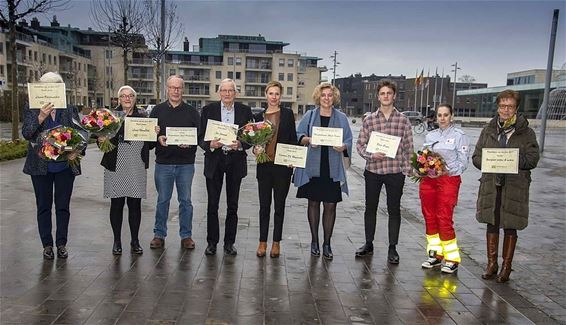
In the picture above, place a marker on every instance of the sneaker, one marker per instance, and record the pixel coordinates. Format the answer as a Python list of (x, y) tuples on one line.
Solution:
[(431, 262), (449, 267), (48, 253), (62, 252)]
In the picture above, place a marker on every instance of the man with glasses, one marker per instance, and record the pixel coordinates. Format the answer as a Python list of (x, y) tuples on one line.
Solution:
[(224, 159), (174, 164)]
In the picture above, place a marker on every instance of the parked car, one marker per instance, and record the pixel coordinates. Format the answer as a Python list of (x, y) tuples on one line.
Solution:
[(414, 116)]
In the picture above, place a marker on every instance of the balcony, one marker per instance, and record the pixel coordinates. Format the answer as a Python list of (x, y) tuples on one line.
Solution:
[(258, 66), (142, 76), (195, 64), (261, 81), (198, 92), (142, 61), (197, 78)]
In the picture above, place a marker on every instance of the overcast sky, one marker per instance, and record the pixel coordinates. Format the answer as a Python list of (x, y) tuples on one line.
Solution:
[(488, 39)]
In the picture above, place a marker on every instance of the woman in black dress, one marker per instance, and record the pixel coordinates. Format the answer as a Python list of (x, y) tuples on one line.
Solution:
[(324, 177)]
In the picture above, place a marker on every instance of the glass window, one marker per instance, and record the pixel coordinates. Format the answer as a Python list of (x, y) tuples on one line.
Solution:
[(289, 91), (216, 89), (54, 60), (238, 61), (49, 58), (230, 74), (290, 63), (230, 60), (2, 48), (281, 77), (281, 62), (289, 77), (172, 72), (218, 74), (238, 75)]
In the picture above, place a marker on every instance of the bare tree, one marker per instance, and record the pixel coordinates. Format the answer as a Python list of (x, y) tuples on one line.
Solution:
[(11, 11), (125, 20), (467, 79), (161, 40)]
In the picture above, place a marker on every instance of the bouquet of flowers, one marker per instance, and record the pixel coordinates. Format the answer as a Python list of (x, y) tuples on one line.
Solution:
[(103, 122), (427, 163), (257, 134), (58, 143)]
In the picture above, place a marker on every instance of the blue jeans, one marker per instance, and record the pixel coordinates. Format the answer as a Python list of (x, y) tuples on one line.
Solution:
[(165, 177)]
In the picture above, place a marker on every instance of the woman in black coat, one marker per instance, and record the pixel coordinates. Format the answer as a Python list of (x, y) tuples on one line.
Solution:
[(271, 178)]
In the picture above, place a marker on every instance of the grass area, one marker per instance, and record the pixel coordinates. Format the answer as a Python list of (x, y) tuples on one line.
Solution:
[(13, 150)]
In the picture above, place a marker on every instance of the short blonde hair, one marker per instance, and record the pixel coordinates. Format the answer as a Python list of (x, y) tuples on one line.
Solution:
[(129, 88), (51, 77), (274, 84), (318, 92)]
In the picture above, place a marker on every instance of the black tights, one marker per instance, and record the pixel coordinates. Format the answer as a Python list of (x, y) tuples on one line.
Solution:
[(494, 229), (328, 219), (134, 217)]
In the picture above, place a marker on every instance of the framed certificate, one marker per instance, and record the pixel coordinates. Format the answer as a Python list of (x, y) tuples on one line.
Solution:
[(500, 160), (381, 142), (286, 154), (41, 93), (179, 135), (140, 129), (223, 132), (322, 136)]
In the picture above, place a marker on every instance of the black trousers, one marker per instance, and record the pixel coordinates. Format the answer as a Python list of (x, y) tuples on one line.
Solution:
[(58, 186), (274, 179), (213, 189), (117, 215), (394, 186)]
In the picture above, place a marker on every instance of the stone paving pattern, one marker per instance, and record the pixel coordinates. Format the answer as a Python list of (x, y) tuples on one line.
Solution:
[(177, 286)]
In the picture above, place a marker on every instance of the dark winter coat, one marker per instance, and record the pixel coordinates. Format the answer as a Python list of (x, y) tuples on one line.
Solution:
[(515, 191)]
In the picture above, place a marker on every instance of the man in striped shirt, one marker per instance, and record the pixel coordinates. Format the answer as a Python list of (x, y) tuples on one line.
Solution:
[(381, 169)]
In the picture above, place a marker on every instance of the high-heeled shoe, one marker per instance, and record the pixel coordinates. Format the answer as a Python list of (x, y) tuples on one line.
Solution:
[(315, 249), (327, 252), (117, 248), (136, 248)]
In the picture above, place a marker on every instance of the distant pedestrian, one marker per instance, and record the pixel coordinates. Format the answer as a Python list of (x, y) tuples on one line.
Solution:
[(52, 180), (324, 177), (503, 199), (125, 175), (382, 170), (439, 194), (274, 180)]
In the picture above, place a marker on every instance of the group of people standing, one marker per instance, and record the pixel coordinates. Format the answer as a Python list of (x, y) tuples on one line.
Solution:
[(502, 201)]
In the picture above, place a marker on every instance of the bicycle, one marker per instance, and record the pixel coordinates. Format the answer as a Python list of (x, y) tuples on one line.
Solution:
[(420, 127)]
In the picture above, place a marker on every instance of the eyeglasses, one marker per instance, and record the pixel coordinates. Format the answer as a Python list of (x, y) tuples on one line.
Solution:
[(506, 107), (131, 96), (175, 88), (227, 91)]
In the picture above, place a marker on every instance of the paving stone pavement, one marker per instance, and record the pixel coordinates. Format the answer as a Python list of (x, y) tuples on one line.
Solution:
[(177, 286)]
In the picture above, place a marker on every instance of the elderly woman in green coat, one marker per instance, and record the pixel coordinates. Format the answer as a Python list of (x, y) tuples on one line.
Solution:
[(503, 199)]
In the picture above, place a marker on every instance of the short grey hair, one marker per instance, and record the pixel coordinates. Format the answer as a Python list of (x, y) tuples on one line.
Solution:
[(228, 81), (129, 88), (51, 77), (176, 76)]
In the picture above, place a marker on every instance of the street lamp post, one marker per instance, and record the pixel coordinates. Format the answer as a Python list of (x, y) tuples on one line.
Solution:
[(456, 68), (334, 64)]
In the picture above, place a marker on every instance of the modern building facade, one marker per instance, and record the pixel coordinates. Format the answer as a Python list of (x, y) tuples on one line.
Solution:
[(93, 67)]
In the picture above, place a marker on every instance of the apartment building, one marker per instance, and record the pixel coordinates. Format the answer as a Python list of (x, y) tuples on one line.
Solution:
[(93, 69)]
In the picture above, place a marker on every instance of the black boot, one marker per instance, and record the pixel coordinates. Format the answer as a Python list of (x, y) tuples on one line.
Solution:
[(117, 248), (327, 252), (136, 248)]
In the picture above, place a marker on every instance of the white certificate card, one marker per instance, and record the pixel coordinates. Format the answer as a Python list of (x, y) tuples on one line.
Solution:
[(381, 142), (500, 160), (286, 154), (181, 135), (40, 94), (140, 129), (322, 136), (224, 132)]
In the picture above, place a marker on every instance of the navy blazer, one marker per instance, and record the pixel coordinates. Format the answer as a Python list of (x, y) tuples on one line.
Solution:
[(31, 130), (242, 115)]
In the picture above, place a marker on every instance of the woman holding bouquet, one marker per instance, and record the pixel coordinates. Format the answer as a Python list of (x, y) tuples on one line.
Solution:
[(52, 180), (324, 177), (439, 193), (503, 199), (274, 179), (125, 176)]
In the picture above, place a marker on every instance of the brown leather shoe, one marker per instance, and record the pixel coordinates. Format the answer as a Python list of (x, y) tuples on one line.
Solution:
[(261, 249), (188, 243), (157, 243), (275, 249)]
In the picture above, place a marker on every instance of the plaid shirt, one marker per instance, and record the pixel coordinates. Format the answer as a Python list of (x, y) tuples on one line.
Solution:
[(397, 125)]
